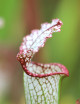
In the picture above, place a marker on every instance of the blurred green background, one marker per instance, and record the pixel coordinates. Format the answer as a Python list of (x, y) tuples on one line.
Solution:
[(18, 18)]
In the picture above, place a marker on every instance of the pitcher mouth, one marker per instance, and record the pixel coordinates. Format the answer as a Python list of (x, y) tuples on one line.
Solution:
[(45, 70)]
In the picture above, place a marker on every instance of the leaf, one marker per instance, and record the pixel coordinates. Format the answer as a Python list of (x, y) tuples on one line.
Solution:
[(41, 81), (37, 38), (31, 45), (42, 90)]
